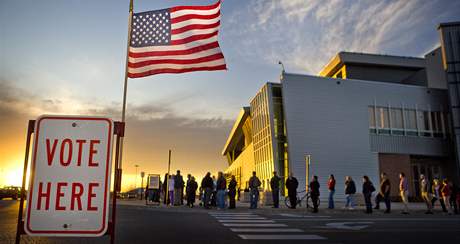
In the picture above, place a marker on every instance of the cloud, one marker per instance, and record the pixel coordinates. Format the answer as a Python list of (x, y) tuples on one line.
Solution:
[(305, 35), (151, 130)]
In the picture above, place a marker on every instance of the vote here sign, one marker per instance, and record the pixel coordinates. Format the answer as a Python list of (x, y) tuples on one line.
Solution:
[(70, 176)]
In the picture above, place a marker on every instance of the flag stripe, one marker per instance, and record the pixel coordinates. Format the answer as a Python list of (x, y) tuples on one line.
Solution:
[(194, 16), (188, 11), (174, 52), (177, 66), (198, 54), (177, 61), (193, 38), (190, 33), (195, 27), (178, 8), (176, 71), (192, 46)]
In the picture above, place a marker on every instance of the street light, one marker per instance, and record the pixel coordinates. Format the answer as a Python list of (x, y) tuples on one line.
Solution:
[(142, 184)]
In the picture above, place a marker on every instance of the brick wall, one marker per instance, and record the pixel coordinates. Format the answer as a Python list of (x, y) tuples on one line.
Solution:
[(392, 165)]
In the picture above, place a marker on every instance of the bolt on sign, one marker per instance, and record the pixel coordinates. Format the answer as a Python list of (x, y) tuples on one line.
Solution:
[(70, 176)]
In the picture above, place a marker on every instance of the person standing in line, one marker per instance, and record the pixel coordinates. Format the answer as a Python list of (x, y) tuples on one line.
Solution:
[(331, 188), (384, 193), (291, 185), (171, 189), (165, 190), (404, 192), (178, 188), (191, 188), (453, 196), (207, 185), (254, 184), (425, 192), (275, 186), (314, 193), (436, 193), (214, 192), (232, 192), (350, 190), (368, 188), (189, 178), (445, 193), (221, 188)]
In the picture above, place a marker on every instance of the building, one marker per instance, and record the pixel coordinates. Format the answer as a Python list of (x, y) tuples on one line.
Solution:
[(364, 114)]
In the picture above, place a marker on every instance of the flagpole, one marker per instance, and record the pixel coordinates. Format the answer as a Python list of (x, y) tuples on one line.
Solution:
[(125, 88)]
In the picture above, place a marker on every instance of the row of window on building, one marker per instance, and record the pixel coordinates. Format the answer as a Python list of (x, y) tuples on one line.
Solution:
[(408, 122)]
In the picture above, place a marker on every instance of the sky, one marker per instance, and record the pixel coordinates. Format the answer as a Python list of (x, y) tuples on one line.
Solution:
[(68, 57)]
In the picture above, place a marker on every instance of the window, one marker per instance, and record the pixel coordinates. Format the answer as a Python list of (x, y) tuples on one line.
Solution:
[(411, 122), (436, 123), (383, 120), (423, 121), (372, 128), (397, 121)]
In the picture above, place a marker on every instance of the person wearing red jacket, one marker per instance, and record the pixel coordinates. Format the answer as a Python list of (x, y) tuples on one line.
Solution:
[(445, 194), (331, 188)]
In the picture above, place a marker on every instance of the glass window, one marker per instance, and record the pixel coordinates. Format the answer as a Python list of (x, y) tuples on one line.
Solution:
[(383, 120), (436, 123), (411, 122), (371, 112), (397, 121), (424, 123)]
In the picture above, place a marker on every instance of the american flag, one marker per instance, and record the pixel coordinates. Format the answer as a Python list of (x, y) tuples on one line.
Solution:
[(175, 40)]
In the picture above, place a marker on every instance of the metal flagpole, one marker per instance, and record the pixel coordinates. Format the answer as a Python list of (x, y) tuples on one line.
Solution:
[(125, 88)]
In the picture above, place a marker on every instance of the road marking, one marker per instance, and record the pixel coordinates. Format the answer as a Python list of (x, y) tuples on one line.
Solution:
[(304, 216), (281, 237), (255, 225), (349, 225), (274, 230), (241, 218), (244, 221), (371, 219)]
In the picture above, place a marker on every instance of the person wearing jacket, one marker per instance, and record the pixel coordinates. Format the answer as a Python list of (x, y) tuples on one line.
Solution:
[(254, 184), (350, 190), (445, 193), (232, 192), (275, 186), (331, 188), (425, 192), (191, 188), (384, 193), (221, 186), (178, 189), (291, 185), (437, 196), (314, 193), (368, 188), (404, 192), (207, 186)]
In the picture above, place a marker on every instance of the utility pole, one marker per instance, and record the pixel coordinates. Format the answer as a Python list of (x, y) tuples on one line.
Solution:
[(135, 177), (167, 178), (142, 184)]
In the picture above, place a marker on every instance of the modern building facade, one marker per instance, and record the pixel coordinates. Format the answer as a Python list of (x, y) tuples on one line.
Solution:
[(364, 114)]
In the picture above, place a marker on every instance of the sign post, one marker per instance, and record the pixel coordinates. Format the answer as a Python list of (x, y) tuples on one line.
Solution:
[(69, 188)]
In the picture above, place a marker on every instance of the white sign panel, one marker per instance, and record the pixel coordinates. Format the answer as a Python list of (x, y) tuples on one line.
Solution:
[(154, 181), (70, 180)]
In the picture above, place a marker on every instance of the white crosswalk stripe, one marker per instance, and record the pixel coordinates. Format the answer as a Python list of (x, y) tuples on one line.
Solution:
[(260, 228)]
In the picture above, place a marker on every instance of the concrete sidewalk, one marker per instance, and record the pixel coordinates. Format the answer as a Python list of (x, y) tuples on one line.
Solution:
[(396, 208)]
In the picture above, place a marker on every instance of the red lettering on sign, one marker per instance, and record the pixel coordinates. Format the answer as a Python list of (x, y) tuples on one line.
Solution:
[(91, 152), (69, 151), (76, 196), (59, 194), (41, 194), (91, 195), (50, 153), (80, 147)]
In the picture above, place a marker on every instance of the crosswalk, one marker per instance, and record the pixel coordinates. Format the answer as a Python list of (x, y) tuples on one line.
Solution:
[(249, 226)]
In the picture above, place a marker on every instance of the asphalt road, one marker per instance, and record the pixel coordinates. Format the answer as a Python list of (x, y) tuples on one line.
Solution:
[(141, 224)]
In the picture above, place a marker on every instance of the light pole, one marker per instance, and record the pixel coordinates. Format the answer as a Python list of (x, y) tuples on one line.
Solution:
[(135, 177), (142, 183)]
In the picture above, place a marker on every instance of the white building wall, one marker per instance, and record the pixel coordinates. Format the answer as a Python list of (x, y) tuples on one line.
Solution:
[(328, 119)]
